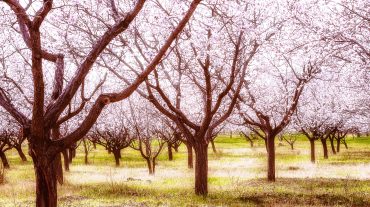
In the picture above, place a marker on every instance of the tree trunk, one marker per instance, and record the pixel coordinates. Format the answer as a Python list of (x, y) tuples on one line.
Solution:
[(116, 154), (70, 154), (86, 158), (291, 146), (345, 143), (271, 158), (176, 147), (251, 142), (267, 149), (338, 145), (150, 166), (325, 148), (21, 154), (332, 146), (66, 160), (4, 160), (46, 185), (312, 144), (213, 147), (169, 149), (201, 169), (190, 155)]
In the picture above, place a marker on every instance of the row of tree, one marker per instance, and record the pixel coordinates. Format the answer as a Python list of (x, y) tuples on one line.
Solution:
[(199, 63)]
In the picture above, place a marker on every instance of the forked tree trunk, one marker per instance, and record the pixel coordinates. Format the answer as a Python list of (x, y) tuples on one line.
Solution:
[(21, 154), (170, 154), (271, 158), (325, 148), (332, 146), (213, 147), (116, 154), (201, 169), (338, 145), (312, 145), (190, 155), (4, 160), (65, 159)]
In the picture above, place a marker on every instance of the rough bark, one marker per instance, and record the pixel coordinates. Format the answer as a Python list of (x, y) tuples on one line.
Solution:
[(201, 169), (46, 186), (4, 160)]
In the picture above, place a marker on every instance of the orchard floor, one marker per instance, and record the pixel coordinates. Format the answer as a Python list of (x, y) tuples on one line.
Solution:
[(236, 178)]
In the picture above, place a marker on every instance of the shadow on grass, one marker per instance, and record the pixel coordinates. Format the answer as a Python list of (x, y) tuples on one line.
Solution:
[(256, 192), (311, 192)]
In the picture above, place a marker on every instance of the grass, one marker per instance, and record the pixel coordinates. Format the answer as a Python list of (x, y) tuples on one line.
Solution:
[(236, 178)]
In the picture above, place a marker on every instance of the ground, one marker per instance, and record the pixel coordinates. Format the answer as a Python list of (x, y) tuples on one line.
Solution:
[(236, 178)]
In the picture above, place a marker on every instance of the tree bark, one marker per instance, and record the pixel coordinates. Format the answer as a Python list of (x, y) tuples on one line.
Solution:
[(312, 144), (271, 158), (190, 155), (46, 186), (213, 147), (332, 145), (116, 154), (46, 177), (4, 160), (345, 143), (150, 166), (21, 154), (201, 169), (338, 145), (170, 154), (325, 148), (66, 160), (176, 147)]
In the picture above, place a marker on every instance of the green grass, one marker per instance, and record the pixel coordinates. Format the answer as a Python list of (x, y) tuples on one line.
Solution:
[(236, 178)]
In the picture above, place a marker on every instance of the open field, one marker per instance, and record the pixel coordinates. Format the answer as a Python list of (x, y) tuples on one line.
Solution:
[(236, 178)]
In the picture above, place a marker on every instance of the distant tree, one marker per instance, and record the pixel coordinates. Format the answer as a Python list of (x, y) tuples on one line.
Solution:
[(44, 44)]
